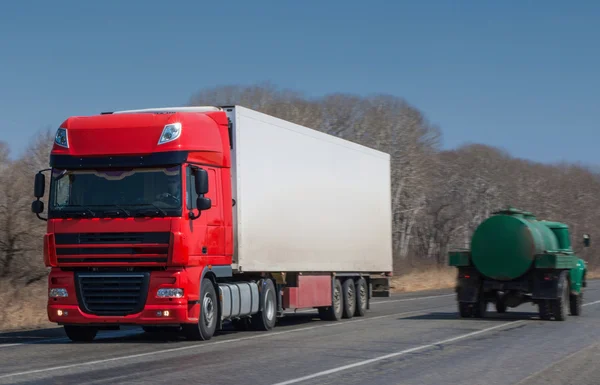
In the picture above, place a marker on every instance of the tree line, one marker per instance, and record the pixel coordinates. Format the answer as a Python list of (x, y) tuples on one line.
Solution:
[(439, 197)]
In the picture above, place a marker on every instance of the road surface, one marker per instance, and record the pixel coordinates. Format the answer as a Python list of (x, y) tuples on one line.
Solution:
[(406, 339)]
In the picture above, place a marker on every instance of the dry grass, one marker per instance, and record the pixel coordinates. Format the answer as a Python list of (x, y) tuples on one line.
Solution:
[(430, 279), (23, 307)]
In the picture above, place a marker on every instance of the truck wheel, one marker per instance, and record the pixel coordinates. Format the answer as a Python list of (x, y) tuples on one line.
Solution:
[(349, 295), (80, 333), (465, 310), (559, 305), (480, 307), (545, 310), (207, 322), (500, 307), (362, 292), (333, 312), (266, 318), (575, 303)]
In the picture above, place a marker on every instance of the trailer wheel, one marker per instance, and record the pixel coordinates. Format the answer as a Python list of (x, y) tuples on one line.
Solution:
[(333, 312), (575, 303), (78, 333), (349, 295), (266, 318), (559, 305), (207, 322), (362, 292)]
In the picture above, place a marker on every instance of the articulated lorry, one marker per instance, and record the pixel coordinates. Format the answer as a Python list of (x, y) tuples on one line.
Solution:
[(514, 259), (187, 218)]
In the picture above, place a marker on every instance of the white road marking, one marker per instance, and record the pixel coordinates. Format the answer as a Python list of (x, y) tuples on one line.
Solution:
[(207, 344), (395, 354), (590, 303), (122, 335)]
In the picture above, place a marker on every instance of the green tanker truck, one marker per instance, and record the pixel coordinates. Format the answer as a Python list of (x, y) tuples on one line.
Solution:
[(514, 259)]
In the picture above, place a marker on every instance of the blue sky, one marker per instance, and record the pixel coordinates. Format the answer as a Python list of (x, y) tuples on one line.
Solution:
[(520, 75)]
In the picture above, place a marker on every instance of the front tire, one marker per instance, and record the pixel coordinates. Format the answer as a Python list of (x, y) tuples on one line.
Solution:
[(207, 322), (80, 333)]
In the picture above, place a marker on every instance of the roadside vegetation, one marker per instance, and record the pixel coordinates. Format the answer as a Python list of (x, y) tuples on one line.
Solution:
[(439, 197)]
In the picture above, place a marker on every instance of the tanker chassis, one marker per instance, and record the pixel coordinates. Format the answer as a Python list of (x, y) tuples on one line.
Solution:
[(515, 259), (186, 218)]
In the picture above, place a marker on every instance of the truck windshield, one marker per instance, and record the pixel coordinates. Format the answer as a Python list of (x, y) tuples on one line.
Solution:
[(116, 192)]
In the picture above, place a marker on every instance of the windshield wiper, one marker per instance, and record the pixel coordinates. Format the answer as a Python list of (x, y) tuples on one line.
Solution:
[(144, 213), (117, 211)]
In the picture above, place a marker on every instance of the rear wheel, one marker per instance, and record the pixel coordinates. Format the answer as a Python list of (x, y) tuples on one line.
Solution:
[(545, 309), (362, 293), (333, 312), (465, 309), (266, 318), (575, 303), (349, 295), (559, 305), (80, 333), (207, 322), (500, 306)]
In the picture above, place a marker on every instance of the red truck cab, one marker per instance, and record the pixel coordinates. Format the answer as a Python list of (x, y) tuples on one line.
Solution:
[(129, 231)]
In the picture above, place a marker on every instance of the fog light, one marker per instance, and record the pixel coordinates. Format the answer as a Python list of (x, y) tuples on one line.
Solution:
[(56, 293), (166, 313), (61, 313), (170, 293)]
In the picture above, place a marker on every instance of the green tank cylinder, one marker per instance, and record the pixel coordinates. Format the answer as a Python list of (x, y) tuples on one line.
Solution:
[(504, 245)]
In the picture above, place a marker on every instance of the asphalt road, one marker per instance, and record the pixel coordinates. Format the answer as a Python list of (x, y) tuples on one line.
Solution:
[(405, 339)]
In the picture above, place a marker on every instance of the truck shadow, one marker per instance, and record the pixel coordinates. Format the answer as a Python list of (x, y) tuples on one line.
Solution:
[(133, 334)]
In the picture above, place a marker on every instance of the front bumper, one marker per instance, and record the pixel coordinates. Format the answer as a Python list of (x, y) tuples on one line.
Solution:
[(151, 310), (72, 314)]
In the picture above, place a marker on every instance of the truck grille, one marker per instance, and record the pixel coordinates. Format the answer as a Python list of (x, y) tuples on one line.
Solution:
[(150, 248), (112, 294)]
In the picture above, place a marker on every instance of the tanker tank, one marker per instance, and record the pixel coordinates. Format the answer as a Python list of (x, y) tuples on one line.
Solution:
[(515, 258)]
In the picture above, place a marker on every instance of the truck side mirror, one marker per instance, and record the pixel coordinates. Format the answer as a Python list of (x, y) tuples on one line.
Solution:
[(37, 207), (201, 178), (40, 185), (586, 240), (201, 185), (203, 203)]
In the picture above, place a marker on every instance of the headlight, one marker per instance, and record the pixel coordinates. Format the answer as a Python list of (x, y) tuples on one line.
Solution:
[(170, 132), (170, 293), (56, 293)]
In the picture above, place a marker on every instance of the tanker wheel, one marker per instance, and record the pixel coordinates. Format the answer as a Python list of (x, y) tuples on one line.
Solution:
[(333, 312), (465, 310), (349, 295), (480, 308), (545, 309), (575, 303), (559, 305), (500, 307), (500, 304)]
